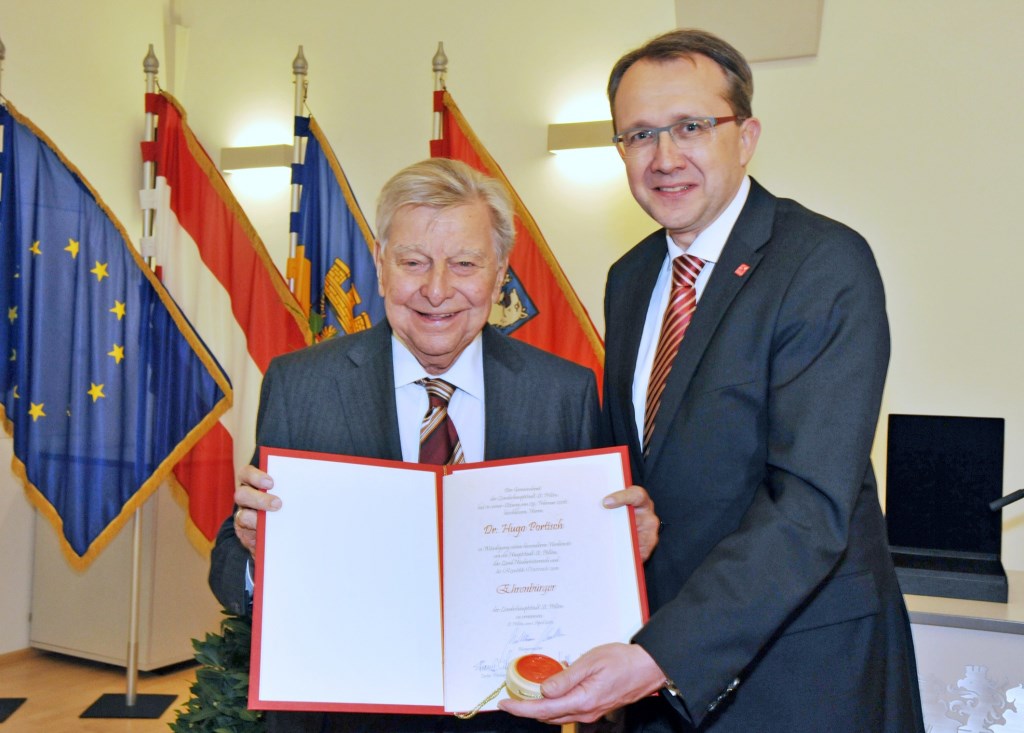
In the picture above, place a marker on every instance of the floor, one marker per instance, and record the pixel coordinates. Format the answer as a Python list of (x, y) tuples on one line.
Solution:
[(60, 688)]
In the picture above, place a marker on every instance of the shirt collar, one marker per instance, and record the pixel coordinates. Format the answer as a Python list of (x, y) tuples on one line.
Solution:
[(467, 373), (709, 243)]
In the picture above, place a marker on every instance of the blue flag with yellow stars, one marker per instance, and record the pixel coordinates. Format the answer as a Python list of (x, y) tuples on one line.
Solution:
[(336, 246), (104, 384)]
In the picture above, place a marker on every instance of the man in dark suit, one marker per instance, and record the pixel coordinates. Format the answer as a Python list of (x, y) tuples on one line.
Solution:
[(445, 235), (774, 602)]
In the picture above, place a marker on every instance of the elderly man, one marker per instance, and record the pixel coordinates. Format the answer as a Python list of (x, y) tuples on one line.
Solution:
[(445, 233), (747, 346)]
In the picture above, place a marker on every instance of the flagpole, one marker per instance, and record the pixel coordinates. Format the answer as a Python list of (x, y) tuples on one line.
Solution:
[(300, 67), (298, 267), (440, 62), (150, 65), (297, 271), (131, 704)]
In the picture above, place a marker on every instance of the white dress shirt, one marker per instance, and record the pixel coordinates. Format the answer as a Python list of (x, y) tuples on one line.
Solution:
[(707, 246), (466, 408)]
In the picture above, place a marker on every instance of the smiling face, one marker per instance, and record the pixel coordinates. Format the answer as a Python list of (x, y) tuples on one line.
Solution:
[(683, 190), (439, 274)]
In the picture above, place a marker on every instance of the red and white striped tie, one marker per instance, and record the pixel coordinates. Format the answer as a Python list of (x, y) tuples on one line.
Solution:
[(681, 305), (439, 442)]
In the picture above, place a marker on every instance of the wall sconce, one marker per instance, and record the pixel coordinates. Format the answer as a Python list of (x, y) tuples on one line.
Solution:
[(257, 156), (574, 135)]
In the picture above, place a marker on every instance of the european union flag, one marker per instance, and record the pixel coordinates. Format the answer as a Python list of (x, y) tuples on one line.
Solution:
[(104, 383), (335, 239)]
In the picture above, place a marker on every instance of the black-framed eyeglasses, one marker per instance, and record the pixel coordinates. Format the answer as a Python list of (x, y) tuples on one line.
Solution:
[(687, 133)]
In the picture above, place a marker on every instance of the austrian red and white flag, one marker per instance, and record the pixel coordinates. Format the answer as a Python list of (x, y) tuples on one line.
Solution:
[(220, 274)]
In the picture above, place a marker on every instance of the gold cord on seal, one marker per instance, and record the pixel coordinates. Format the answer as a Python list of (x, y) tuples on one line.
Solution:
[(474, 711)]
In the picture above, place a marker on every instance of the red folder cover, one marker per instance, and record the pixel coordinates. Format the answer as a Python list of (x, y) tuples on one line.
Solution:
[(384, 586)]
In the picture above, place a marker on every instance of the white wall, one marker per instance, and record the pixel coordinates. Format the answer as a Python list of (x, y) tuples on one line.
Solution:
[(901, 127), (514, 67), (17, 531)]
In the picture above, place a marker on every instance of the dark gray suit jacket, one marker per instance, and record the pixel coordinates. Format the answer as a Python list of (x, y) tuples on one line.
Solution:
[(339, 397), (773, 566)]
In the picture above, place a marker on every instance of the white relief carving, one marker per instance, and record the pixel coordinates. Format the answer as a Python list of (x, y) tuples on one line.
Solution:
[(975, 704)]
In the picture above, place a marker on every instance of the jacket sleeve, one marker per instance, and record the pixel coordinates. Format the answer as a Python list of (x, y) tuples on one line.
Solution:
[(229, 559), (227, 570)]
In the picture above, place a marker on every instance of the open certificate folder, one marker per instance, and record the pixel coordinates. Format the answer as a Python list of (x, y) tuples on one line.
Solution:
[(392, 587)]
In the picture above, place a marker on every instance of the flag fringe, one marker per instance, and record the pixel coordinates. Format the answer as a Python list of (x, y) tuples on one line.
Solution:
[(42, 504)]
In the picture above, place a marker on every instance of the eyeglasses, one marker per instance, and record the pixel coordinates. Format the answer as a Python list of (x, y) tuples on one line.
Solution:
[(687, 133)]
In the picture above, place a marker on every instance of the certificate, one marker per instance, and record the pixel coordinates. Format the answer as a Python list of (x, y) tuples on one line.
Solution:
[(400, 587)]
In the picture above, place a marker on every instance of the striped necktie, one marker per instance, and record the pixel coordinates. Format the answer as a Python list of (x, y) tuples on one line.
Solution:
[(439, 442), (681, 305)]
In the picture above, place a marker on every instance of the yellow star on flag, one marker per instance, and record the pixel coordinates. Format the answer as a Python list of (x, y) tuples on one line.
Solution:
[(73, 248), (14, 393), (96, 391), (12, 313), (118, 309), (100, 271), (36, 411), (117, 353), (34, 249)]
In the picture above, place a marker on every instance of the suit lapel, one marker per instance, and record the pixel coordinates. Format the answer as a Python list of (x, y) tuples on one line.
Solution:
[(369, 398), (628, 322), (740, 258), (504, 425)]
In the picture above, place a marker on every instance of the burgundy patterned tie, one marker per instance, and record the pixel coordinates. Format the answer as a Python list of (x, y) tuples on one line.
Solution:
[(682, 302), (439, 443)]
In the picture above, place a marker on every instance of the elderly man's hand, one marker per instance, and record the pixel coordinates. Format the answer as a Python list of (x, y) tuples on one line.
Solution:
[(647, 522), (251, 496), (602, 680)]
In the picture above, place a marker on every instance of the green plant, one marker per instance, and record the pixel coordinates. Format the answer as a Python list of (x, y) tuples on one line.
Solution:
[(220, 692)]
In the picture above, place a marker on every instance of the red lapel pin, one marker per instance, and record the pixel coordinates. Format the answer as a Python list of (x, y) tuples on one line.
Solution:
[(742, 270)]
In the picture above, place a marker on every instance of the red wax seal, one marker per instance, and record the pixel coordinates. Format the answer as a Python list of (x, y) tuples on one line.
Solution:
[(537, 667), (526, 673)]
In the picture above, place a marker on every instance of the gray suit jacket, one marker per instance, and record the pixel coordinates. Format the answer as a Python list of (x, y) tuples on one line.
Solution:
[(772, 568), (338, 397)]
